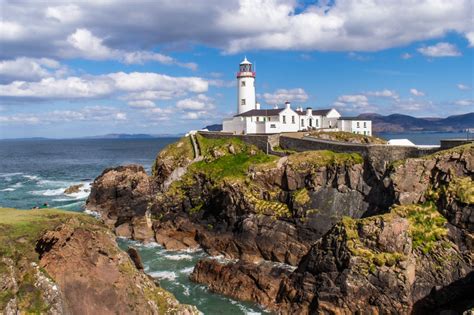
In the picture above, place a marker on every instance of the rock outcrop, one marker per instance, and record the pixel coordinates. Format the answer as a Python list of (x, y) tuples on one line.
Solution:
[(386, 263), (261, 210), (75, 267)]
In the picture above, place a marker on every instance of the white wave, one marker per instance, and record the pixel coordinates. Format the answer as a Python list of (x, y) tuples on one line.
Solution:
[(83, 192), (186, 271), (8, 189), (32, 177), (48, 192), (178, 257), (165, 275)]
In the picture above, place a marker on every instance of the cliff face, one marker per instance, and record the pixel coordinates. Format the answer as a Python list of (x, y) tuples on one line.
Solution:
[(238, 202), (75, 267)]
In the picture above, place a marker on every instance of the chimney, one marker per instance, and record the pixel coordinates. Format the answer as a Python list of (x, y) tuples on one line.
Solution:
[(257, 105), (309, 111), (287, 105)]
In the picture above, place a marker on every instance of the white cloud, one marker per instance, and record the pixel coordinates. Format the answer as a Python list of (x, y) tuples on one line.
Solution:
[(64, 13), (470, 38), (141, 104), (384, 93), (90, 46), (234, 25), (154, 95), (102, 85), (199, 103), (88, 113), (463, 87), (415, 92), (87, 45), (406, 56), (282, 95), (466, 102), (28, 68), (440, 50), (353, 103), (11, 31)]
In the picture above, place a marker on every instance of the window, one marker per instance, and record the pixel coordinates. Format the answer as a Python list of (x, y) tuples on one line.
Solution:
[(242, 101), (269, 119), (365, 124), (302, 122), (317, 123), (292, 119), (272, 126), (264, 118), (284, 119), (358, 124), (257, 119), (242, 83), (311, 122)]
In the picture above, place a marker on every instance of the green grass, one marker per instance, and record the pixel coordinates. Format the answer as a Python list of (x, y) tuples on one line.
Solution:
[(462, 188), (19, 229), (230, 166), (179, 153), (347, 137), (427, 225), (316, 159)]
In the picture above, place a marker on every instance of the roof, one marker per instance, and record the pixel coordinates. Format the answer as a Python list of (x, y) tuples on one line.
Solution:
[(245, 62), (261, 112), (354, 118), (317, 112)]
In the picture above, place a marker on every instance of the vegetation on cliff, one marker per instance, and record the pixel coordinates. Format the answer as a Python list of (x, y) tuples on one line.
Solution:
[(347, 137), (54, 261)]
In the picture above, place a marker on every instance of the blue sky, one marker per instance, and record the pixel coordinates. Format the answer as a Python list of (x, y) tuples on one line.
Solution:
[(82, 68)]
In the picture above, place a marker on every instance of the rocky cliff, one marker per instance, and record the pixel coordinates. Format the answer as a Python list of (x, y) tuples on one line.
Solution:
[(334, 216), (54, 262)]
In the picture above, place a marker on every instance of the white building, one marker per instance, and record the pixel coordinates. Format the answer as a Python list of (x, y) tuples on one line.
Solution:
[(250, 119)]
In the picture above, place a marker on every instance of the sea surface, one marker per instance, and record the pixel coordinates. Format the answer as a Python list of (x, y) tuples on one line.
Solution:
[(424, 138), (34, 172)]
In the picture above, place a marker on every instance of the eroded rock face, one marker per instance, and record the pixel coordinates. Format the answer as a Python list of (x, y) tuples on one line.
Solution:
[(372, 266), (122, 195), (95, 277)]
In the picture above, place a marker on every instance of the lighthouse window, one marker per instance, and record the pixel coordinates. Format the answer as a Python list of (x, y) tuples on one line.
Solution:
[(284, 119), (365, 125), (358, 124), (311, 122), (242, 101), (292, 119), (302, 122), (243, 83)]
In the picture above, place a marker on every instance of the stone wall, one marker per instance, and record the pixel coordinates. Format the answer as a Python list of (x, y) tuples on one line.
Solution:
[(451, 143), (377, 153), (263, 142)]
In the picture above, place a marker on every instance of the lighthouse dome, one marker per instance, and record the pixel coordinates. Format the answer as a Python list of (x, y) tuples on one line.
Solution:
[(245, 62)]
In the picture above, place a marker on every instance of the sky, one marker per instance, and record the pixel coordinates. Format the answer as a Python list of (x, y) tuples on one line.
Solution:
[(90, 67)]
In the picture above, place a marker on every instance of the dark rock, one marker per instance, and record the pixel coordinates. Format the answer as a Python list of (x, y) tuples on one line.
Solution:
[(135, 256)]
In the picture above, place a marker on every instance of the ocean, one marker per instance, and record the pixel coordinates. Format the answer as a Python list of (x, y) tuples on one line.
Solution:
[(34, 172), (423, 138)]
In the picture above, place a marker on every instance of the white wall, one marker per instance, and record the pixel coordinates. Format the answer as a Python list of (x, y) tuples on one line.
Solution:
[(235, 125), (246, 92), (290, 125)]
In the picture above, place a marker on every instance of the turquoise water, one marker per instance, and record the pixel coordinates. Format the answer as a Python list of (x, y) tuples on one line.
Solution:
[(33, 172), (173, 268)]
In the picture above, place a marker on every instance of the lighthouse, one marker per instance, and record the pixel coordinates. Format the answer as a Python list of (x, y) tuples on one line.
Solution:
[(246, 87)]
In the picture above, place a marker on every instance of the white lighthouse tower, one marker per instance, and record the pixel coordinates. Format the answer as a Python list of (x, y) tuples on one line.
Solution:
[(246, 87)]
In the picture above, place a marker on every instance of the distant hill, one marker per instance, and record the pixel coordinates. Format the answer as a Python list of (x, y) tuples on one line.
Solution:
[(215, 127), (404, 123)]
